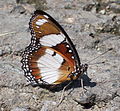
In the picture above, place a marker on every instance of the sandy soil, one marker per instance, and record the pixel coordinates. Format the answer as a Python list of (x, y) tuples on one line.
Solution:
[(94, 28)]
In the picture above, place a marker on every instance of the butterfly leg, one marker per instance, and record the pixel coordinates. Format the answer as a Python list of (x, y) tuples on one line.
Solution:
[(82, 85), (63, 91)]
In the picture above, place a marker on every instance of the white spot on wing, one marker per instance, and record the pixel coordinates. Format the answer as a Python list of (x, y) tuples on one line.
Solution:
[(45, 74), (72, 57), (37, 26), (45, 69), (58, 58), (46, 16), (48, 60), (51, 80), (49, 66), (41, 21), (50, 77), (49, 51), (70, 50), (67, 45), (52, 39)]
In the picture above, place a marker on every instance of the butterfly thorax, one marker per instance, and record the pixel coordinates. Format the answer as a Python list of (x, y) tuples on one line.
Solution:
[(82, 69)]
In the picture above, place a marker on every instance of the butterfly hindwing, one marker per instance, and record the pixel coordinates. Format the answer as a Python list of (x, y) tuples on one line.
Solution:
[(48, 65)]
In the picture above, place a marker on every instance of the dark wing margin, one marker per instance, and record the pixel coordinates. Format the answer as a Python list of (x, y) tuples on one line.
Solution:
[(40, 12)]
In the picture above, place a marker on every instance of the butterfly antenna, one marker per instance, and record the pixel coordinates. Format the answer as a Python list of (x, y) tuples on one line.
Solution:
[(100, 55), (62, 95)]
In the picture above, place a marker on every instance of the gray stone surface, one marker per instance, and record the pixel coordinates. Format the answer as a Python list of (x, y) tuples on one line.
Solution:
[(92, 31)]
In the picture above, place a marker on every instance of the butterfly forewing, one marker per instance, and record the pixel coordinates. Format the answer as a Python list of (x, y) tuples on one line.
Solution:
[(44, 30)]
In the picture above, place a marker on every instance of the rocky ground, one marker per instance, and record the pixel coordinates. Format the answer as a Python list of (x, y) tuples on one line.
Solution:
[(93, 26)]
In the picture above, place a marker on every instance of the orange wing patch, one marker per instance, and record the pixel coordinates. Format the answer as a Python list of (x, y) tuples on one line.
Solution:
[(62, 48), (33, 65), (42, 26), (65, 70)]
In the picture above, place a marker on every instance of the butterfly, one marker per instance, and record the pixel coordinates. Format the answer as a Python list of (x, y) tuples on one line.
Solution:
[(51, 57)]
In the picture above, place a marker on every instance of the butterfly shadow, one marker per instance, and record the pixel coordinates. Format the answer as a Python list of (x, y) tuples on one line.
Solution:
[(74, 84), (86, 82), (77, 83)]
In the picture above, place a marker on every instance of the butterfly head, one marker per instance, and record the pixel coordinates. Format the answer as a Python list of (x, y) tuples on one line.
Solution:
[(82, 69)]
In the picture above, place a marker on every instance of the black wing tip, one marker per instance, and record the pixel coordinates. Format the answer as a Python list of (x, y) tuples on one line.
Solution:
[(41, 12)]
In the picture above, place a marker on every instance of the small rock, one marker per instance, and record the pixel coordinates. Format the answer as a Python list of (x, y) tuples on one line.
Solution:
[(47, 104), (69, 20), (88, 7), (18, 9), (102, 12), (19, 109), (86, 99), (5, 50), (1, 52)]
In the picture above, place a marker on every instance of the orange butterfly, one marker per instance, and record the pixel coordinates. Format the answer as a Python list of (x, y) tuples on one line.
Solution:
[(51, 57)]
